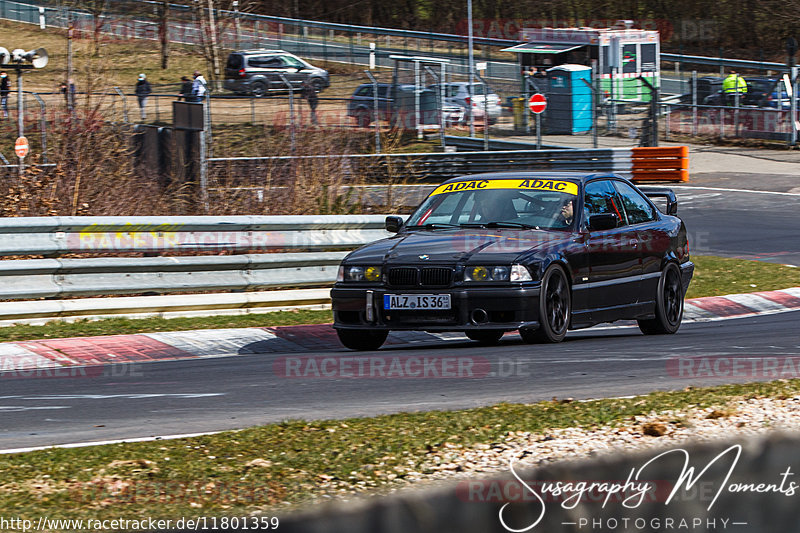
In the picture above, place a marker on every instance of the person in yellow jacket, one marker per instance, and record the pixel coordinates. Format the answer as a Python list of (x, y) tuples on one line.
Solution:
[(733, 85)]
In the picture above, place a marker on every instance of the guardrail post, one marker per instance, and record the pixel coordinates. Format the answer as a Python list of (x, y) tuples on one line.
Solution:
[(42, 125), (439, 106), (124, 104), (594, 110), (694, 103), (486, 114), (375, 111), (291, 109)]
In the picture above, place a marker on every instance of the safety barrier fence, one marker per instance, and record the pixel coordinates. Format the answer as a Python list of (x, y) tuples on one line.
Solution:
[(239, 253), (650, 163)]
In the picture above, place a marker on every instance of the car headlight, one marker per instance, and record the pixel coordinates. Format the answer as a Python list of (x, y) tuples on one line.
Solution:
[(359, 273), (488, 273)]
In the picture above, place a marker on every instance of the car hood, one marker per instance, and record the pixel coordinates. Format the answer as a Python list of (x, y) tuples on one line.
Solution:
[(459, 246)]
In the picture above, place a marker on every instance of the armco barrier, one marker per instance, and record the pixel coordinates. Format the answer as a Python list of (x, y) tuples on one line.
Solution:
[(306, 251), (646, 164), (670, 163)]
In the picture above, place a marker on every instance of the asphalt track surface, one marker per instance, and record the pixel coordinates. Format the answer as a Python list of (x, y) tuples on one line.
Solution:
[(168, 398)]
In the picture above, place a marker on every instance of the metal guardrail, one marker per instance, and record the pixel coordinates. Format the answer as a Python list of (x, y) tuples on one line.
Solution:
[(69, 235), (96, 276), (474, 143), (433, 167)]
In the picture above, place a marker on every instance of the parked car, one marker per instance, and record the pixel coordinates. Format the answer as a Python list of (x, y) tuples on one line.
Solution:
[(257, 72), (538, 252), (457, 93), (395, 101), (758, 93)]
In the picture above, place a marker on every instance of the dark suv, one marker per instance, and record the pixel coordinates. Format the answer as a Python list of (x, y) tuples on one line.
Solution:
[(257, 72), (396, 102)]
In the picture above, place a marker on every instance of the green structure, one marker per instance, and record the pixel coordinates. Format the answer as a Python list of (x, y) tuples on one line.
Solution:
[(618, 56)]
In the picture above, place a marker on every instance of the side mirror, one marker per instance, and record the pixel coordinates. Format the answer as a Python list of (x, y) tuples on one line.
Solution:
[(602, 221), (393, 224), (672, 207)]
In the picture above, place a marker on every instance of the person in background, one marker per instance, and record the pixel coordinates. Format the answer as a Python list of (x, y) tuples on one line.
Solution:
[(4, 92), (186, 89), (309, 92), (732, 87), (199, 87), (143, 90)]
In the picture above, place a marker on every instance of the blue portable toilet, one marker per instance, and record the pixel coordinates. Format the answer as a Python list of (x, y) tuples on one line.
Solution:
[(569, 100)]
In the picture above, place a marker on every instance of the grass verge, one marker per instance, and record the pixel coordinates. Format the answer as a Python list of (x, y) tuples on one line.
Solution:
[(266, 468), (714, 276)]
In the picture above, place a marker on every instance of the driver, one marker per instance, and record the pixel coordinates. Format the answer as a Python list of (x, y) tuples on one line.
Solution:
[(567, 213)]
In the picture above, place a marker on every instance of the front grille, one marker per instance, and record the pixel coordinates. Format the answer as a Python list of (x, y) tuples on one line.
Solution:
[(402, 276), (436, 277), (420, 277)]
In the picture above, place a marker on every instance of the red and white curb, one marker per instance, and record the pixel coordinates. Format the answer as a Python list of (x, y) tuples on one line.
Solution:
[(40, 357), (741, 305)]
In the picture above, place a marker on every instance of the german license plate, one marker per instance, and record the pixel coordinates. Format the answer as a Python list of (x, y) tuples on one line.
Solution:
[(416, 301)]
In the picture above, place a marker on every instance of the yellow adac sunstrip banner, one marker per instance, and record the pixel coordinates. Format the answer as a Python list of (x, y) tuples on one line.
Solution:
[(566, 187)]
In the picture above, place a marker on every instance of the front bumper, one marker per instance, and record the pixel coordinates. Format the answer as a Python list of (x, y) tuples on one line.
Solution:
[(505, 308)]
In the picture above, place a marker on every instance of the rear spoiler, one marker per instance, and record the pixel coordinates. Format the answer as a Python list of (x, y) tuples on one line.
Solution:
[(663, 192)]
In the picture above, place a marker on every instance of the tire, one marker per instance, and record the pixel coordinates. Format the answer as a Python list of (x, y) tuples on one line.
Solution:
[(318, 84), (362, 339), (669, 304), (363, 118), (485, 337), (259, 89), (555, 308)]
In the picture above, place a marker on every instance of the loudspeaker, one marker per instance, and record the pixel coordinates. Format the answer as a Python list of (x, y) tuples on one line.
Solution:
[(5, 56), (38, 57)]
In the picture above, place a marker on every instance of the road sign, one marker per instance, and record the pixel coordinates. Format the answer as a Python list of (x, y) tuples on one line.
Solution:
[(21, 147), (537, 103)]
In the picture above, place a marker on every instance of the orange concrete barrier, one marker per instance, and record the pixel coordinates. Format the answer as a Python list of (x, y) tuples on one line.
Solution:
[(655, 163)]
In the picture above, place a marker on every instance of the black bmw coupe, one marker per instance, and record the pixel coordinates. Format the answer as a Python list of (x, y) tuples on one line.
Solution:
[(538, 252)]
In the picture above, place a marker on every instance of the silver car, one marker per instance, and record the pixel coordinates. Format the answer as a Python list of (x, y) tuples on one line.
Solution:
[(457, 93), (258, 72)]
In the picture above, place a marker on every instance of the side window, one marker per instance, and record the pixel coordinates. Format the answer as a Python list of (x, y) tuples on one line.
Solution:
[(366, 90), (292, 62), (382, 90), (600, 197), (636, 206), (265, 62)]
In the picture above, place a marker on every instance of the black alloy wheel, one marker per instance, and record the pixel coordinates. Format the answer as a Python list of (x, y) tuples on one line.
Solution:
[(669, 304), (555, 308)]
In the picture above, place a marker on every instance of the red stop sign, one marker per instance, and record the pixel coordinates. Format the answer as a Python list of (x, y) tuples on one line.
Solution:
[(537, 103), (21, 147)]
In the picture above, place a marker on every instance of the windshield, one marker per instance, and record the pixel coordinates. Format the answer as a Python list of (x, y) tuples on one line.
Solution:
[(511, 203)]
